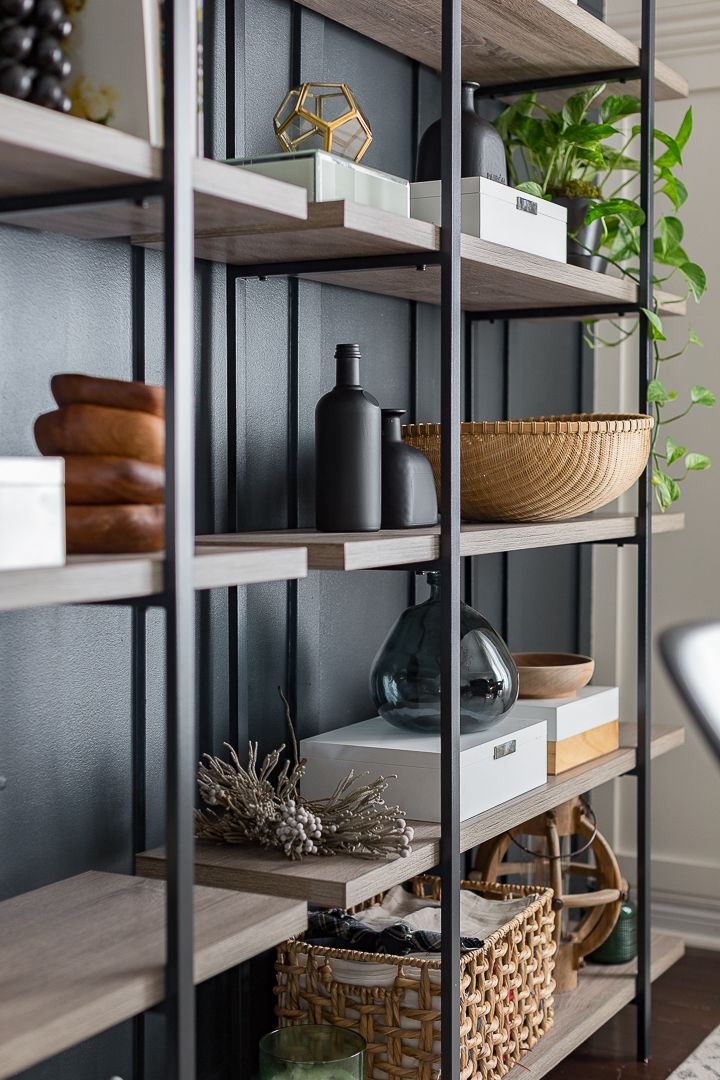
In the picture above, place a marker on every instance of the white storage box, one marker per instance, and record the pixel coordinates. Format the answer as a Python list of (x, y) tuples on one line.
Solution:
[(495, 765), (579, 728), (32, 512), (327, 177), (500, 214)]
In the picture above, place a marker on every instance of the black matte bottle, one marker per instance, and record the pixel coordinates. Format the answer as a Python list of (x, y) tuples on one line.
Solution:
[(482, 152), (348, 489)]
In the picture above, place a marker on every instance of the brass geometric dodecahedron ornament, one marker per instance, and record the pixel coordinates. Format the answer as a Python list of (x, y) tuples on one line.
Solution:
[(322, 116)]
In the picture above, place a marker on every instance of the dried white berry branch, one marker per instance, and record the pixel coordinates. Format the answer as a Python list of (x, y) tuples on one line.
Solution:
[(254, 808)]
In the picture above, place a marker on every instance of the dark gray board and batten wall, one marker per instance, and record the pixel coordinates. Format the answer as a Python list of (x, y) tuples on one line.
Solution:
[(66, 688)]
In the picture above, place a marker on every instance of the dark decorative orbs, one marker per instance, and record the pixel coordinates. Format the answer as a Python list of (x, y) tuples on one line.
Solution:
[(33, 64), (17, 41)]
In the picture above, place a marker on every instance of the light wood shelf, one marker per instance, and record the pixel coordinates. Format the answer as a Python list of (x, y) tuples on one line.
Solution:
[(602, 991), (502, 40), (85, 954), (494, 277), (97, 578), (342, 881), (245, 218), (44, 151), (395, 547)]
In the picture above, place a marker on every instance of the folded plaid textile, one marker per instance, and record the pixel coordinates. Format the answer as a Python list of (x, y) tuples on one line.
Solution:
[(337, 929)]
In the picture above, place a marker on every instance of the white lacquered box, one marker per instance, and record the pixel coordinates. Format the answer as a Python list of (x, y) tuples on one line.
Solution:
[(32, 512), (327, 177), (500, 214), (580, 728), (495, 765)]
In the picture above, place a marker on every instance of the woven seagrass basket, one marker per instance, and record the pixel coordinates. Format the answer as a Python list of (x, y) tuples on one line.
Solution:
[(543, 469), (507, 993)]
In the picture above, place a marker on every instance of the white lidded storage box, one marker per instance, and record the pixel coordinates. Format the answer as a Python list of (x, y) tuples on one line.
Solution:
[(580, 728), (500, 214), (32, 512), (498, 764), (568, 716), (327, 177)]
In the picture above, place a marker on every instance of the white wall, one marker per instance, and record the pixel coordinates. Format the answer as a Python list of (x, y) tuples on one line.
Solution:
[(686, 795)]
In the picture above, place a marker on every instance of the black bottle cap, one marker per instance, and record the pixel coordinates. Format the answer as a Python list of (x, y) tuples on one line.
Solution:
[(348, 351), (347, 366)]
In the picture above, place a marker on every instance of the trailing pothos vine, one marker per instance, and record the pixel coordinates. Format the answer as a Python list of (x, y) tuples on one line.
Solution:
[(582, 153)]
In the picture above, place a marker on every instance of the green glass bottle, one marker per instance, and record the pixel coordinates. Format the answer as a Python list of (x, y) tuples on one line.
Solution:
[(621, 946)]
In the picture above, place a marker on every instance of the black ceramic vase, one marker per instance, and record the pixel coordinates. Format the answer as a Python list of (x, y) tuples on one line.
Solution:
[(348, 452), (405, 676), (482, 152), (583, 240), (409, 498)]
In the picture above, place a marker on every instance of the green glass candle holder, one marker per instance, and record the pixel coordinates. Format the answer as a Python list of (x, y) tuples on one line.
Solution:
[(312, 1052)]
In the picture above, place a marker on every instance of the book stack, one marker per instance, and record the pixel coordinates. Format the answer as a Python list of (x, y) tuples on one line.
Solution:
[(579, 728)]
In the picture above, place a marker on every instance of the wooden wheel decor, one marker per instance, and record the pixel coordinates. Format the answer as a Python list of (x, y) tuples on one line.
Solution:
[(599, 908)]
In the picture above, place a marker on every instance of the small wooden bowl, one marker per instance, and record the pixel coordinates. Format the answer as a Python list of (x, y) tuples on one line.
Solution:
[(552, 675)]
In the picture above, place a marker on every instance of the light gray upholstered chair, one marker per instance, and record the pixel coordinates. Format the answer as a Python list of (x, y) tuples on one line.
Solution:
[(692, 657)]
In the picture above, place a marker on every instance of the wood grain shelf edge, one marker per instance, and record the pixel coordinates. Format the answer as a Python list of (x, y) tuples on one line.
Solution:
[(84, 954), (342, 881), (365, 551), (98, 578)]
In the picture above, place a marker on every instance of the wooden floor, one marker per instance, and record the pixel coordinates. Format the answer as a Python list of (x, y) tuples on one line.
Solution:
[(686, 1008)]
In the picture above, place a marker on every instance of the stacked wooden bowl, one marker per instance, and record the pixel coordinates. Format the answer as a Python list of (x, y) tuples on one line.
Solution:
[(112, 436)]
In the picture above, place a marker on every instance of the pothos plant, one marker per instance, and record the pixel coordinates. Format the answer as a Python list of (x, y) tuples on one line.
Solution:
[(582, 153)]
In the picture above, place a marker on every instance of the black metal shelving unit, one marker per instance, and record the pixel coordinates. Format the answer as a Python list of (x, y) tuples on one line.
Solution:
[(175, 187)]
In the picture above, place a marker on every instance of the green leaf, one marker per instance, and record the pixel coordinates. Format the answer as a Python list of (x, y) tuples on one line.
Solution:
[(673, 154), (620, 162), (675, 190), (530, 133), (695, 277), (586, 134), (629, 211), (656, 334), (700, 395), (522, 107), (657, 394), (676, 256), (618, 106), (693, 338), (576, 107), (673, 452), (530, 187), (685, 129), (696, 462), (671, 233), (666, 489), (593, 154)]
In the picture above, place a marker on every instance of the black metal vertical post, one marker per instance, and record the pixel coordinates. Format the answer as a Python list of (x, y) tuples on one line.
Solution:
[(450, 353), (644, 838), (179, 127), (139, 650)]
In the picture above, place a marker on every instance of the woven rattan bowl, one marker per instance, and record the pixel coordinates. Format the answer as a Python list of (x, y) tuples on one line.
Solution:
[(544, 469)]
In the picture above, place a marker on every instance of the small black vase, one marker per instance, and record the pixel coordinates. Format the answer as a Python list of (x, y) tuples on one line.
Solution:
[(583, 240), (482, 152), (348, 452), (409, 499)]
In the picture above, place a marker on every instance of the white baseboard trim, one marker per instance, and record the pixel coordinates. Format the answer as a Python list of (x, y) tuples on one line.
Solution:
[(696, 920)]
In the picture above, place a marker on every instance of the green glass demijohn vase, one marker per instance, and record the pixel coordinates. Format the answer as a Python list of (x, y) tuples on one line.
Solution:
[(621, 946), (405, 675)]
